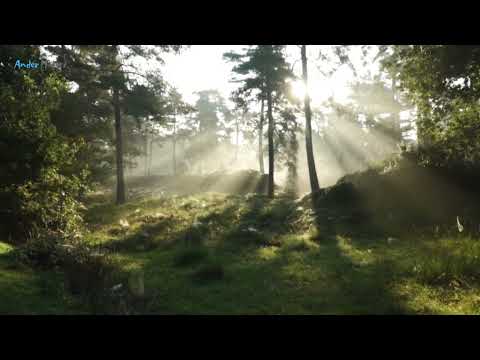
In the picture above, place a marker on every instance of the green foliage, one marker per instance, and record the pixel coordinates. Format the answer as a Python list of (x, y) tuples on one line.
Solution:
[(40, 178), (263, 68), (442, 81), (51, 204)]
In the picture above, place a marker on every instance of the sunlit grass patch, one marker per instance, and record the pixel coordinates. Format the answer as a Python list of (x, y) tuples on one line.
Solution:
[(299, 243), (5, 248), (250, 254), (267, 253), (448, 262)]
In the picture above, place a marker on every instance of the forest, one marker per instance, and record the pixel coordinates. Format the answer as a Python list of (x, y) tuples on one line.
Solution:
[(239, 180)]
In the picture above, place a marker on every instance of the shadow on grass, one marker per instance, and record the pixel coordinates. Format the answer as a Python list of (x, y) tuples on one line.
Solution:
[(365, 288), (260, 274), (28, 291)]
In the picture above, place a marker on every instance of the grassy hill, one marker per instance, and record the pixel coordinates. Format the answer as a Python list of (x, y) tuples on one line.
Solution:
[(205, 252)]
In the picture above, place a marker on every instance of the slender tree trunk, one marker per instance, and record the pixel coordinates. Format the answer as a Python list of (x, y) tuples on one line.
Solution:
[(185, 167), (308, 131), (396, 115), (119, 149), (236, 142), (292, 182), (150, 157), (145, 147), (271, 169), (174, 147), (260, 139)]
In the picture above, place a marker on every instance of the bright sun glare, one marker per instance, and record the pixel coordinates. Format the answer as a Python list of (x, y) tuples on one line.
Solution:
[(299, 89), (321, 91)]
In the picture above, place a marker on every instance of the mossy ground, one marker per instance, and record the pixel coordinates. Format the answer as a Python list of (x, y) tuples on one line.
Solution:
[(215, 253)]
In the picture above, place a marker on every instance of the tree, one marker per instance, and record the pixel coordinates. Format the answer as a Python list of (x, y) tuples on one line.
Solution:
[(40, 184), (244, 101), (210, 129), (265, 72), (110, 68), (442, 81), (176, 107), (260, 136), (308, 126)]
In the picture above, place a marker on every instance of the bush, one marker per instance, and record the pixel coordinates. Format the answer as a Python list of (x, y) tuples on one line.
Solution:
[(51, 203), (87, 271)]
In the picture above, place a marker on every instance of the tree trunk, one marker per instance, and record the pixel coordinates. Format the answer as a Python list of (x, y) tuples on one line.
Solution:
[(119, 149), (260, 139), (150, 158), (292, 180), (308, 131), (270, 144), (396, 115), (174, 147), (145, 146), (236, 142)]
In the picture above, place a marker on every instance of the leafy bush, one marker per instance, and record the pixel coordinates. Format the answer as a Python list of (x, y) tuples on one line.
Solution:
[(49, 204), (87, 272)]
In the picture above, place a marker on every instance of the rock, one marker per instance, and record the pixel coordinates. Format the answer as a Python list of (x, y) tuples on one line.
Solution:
[(117, 287), (390, 240), (455, 283), (459, 225), (124, 224), (159, 215)]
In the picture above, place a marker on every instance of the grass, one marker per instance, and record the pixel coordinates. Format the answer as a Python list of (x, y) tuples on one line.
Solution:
[(26, 291), (253, 255), (215, 253), (190, 256)]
